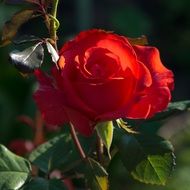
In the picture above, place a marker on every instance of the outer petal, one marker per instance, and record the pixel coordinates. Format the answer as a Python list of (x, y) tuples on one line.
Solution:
[(154, 101), (156, 97), (150, 57), (78, 112), (55, 110), (50, 100), (151, 95), (82, 123), (86, 39)]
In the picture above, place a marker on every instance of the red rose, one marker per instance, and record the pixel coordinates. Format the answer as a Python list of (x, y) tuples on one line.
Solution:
[(103, 77)]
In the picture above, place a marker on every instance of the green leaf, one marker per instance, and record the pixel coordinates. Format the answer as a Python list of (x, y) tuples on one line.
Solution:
[(43, 184), (105, 132), (155, 169), (96, 175), (119, 177), (149, 159), (11, 27), (29, 59), (181, 105), (14, 170), (53, 153), (60, 153)]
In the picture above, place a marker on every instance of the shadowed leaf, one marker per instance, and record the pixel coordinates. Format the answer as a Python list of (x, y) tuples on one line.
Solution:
[(29, 59), (44, 184), (48, 155), (11, 27), (96, 175), (149, 159)]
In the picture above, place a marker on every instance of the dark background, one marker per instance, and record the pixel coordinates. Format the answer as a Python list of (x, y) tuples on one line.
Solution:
[(166, 23)]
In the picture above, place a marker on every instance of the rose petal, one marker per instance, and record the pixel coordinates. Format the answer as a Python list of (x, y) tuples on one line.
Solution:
[(81, 123), (144, 78), (150, 103), (107, 96), (84, 40), (65, 81), (50, 101), (43, 78), (135, 110), (102, 39), (151, 58), (99, 63), (123, 50)]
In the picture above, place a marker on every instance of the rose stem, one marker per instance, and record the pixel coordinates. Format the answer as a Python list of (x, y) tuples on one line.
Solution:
[(53, 35), (39, 130), (99, 149), (53, 29), (77, 143)]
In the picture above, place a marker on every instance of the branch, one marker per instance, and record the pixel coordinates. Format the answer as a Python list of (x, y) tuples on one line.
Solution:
[(77, 143)]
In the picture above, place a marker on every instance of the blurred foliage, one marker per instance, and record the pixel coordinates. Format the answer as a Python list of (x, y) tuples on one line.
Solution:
[(177, 129), (165, 23)]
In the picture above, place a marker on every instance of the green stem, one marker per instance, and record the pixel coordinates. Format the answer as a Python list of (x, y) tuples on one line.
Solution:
[(53, 23), (77, 143)]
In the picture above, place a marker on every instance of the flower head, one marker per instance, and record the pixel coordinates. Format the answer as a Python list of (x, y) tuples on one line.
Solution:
[(103, 77)]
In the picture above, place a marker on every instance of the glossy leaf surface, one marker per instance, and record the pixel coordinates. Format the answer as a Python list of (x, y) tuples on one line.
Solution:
[(14, 170), (29, 59)]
